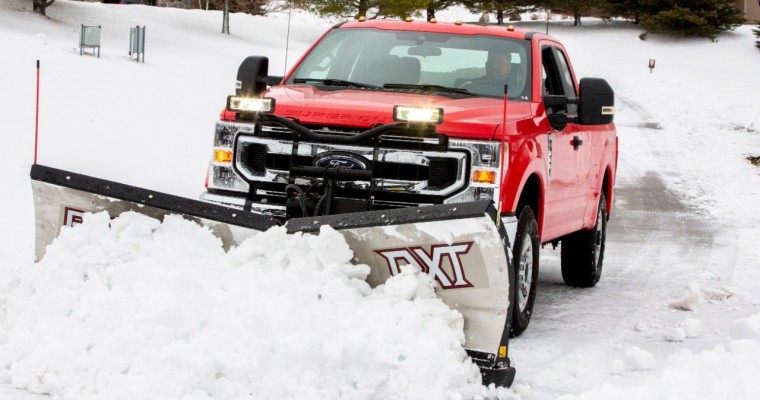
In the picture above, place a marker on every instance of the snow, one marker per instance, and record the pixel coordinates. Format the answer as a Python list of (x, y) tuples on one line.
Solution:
[(145, 309), (158, 309)]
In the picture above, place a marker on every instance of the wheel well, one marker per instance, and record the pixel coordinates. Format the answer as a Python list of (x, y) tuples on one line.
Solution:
[(530, 195)]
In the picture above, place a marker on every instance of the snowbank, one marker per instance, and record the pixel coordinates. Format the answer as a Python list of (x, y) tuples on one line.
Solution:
[(135, 308)]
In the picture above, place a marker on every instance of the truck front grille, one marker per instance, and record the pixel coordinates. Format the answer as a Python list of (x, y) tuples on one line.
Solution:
[(255, 156), (397, 174), (443, 172)]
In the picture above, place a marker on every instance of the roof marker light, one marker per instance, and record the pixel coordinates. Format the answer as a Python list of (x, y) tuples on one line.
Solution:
[(408, 19), (362, 19), (511, 28), (433, 20), (458, 22)]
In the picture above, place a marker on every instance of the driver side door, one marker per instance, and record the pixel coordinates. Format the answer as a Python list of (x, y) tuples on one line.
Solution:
[(564, 210)]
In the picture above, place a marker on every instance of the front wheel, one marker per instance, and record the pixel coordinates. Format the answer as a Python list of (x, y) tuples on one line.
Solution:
[(525, 258), (583, 252)]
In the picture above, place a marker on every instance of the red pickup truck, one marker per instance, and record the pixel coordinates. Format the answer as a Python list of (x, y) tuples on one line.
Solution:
[(450, 149), (546, 153), (389, 115)]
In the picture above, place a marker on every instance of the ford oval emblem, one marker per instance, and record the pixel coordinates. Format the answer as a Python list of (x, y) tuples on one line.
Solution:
[(343, 160)]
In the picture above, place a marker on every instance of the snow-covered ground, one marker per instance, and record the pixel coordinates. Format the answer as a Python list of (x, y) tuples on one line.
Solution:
[(157, 310)]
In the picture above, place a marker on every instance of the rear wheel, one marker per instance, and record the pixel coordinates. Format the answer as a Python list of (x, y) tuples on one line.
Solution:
[(583, 252), (525, 257)]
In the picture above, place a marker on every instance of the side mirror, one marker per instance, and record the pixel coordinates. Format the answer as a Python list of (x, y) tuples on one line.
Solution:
[(251, 76), (554, 104), (596, 102)]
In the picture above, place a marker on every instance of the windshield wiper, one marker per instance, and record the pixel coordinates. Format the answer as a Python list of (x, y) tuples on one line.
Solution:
[(428, 88), (335, 82)]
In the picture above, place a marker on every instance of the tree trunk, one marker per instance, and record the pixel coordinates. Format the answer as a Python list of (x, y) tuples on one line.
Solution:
[(226, 18), (500, 17), (39, 6), (577, 21), (362, 9), (430, 11)]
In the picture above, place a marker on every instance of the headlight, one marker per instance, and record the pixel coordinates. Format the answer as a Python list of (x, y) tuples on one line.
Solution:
[(223, 177), (250, 104), (412, 114), (485, 171)]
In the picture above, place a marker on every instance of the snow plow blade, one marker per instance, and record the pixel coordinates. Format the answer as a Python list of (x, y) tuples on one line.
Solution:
[(460, 245)]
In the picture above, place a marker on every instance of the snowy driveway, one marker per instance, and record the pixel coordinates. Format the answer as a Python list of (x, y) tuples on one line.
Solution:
[(657, 245)]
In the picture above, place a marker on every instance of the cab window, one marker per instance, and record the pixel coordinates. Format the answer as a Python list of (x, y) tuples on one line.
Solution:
[(556, 77)]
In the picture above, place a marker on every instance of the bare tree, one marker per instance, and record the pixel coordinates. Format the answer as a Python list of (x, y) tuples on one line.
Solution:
[(39, 6)]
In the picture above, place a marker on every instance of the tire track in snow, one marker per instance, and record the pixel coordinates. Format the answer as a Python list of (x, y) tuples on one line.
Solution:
[(657, 241)]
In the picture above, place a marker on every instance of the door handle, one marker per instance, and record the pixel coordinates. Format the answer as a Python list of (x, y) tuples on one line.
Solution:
[(577, 142)]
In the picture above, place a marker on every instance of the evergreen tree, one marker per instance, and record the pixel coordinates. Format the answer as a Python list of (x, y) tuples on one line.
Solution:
[(437, 5), (401, 8), (691, 17), (629, 9), (757, 34), (502, 8), (39, 6), (363, 8), (576, 8)]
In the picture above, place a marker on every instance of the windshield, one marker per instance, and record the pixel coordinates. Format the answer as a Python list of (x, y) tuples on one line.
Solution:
[(408, 61)]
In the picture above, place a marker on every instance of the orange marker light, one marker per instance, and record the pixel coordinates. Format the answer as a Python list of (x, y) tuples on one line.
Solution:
[(480, 176), (223, 156)]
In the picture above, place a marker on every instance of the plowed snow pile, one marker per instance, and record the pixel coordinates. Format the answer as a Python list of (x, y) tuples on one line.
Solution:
[(151, 310)]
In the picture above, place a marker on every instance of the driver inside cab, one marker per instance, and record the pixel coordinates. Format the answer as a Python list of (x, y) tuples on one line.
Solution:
[(498, 73)]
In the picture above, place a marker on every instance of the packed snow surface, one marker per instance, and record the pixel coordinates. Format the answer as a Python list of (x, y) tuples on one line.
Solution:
[(137, 308)]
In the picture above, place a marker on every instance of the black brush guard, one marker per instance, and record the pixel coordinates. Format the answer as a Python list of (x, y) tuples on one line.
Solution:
[(321, 199)]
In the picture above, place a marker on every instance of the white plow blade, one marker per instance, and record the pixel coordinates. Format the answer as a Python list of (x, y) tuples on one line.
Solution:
[(459, 245), (469, 266)]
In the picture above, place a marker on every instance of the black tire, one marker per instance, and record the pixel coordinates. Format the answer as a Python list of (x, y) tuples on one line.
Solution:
[(583, 252), (525, 258)]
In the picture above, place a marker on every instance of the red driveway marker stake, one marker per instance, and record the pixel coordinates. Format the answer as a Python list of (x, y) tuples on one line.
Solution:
[(37, 113)]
